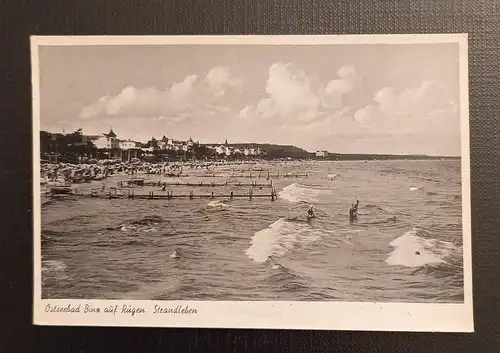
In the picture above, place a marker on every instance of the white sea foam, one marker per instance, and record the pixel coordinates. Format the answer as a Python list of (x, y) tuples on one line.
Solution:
[(296, 193), (279, 238), (274, 265), (139, 228), (411, 250), (54, 266), (216, 203)]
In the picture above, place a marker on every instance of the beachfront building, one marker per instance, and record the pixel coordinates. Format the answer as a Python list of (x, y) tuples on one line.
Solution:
[(163, 144), (107, 141), (175, 145), (322, 154), (253, 151), (221, 149), (128, 144), (79, 139), (129, 149), (227, 150), (108, 145), (168, 148), (169, 144), (237, 151), (224, 150)]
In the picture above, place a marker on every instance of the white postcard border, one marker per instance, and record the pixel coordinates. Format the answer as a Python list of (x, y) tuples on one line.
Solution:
[(355, 316)]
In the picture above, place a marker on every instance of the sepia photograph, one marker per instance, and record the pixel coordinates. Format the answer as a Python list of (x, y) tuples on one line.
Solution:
[(252, 181)]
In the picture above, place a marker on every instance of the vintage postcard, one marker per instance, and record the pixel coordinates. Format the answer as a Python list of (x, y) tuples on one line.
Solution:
[(293, 182)]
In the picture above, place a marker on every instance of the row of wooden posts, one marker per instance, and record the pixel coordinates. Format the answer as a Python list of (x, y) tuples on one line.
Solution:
[(249, 176), (170, 195), (269, 175), (113, 194), (200, 184)]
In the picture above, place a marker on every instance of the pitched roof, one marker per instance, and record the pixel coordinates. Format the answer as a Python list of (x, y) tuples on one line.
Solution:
[(111, 134)]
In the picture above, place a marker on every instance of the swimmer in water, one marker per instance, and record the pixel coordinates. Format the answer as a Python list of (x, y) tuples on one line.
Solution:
[(310, 213), (353, 210)]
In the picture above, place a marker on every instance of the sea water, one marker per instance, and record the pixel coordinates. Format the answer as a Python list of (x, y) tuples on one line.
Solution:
[(405, 245)]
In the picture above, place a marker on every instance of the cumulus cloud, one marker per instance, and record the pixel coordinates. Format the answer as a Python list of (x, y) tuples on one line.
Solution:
[(333, 93), (289, 90), (219, 80), (179, 101), (293, 99), (408, 111)]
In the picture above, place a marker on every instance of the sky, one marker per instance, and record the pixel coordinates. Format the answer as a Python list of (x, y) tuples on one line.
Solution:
[(370, 98)]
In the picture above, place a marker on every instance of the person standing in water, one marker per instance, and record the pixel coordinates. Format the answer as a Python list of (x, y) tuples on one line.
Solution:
[(353, 210), (310, 213)]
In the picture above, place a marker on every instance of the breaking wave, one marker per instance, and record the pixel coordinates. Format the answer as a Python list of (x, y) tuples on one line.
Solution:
[(53, 265), (54, 270), (413, 250), (217, 204), (300, 193), (279, 238), (146, 224)]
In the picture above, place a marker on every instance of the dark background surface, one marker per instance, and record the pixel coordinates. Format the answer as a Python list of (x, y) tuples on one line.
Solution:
[(19, 19)]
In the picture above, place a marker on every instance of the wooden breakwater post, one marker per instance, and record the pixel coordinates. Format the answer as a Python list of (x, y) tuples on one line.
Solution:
[(273, 194), (250, 194)]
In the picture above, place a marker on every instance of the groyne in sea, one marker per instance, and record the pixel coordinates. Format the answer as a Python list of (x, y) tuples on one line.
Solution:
[(144, 182), (115, 193)]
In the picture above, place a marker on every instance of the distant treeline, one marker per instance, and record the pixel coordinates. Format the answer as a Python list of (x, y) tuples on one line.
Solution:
[(276, 151), (290, 151), (371, 157)]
